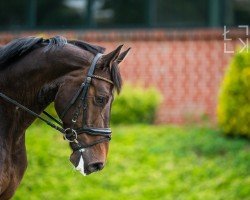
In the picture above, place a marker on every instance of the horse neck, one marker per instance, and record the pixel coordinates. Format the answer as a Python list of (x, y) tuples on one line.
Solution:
[(24, 80)]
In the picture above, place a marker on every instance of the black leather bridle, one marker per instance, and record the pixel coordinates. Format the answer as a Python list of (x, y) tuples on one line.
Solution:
[(71, 133)]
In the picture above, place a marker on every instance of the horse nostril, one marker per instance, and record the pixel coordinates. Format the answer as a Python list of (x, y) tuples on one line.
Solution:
[(93, 167)]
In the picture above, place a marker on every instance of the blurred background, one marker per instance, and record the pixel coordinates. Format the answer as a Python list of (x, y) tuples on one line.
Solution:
[(82, 14), (186, 93)]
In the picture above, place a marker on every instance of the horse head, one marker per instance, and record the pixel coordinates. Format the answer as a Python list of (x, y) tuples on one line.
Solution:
[(83, 102)]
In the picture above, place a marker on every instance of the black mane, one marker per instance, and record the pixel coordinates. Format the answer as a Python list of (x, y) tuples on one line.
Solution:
[(22, 46), (16, 48)]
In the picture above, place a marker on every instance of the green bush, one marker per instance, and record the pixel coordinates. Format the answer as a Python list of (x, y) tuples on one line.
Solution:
[(234, 98), (135, 105)]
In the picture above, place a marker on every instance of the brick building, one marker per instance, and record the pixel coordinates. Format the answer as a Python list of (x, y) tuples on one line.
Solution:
[(177, 46), (186, 66)]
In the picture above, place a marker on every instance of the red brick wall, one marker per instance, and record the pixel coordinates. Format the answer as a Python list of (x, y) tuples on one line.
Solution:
[(186, 66)]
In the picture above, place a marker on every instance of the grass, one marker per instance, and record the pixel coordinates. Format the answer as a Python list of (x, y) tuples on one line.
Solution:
[(145, 162)]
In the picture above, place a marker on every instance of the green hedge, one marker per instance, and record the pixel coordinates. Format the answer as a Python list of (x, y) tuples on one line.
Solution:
[(234, 98), (135, 105)]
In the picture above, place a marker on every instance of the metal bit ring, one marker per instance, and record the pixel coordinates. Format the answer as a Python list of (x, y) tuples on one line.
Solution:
[(73, 133)]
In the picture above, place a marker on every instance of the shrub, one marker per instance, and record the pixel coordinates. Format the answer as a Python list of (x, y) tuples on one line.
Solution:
[(135, 105), (234, 97)]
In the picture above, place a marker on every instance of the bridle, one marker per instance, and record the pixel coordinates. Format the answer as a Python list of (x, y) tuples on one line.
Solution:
[(71, 134)]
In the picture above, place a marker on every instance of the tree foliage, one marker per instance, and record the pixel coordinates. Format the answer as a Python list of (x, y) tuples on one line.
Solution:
[(234, 97)]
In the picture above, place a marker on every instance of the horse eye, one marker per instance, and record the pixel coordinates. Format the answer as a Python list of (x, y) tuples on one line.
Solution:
[(99, 100)]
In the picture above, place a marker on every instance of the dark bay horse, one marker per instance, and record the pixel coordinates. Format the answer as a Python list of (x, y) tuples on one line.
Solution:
[(78, 77)]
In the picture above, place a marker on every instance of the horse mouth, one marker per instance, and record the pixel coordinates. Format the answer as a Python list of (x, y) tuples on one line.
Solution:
[(85, 168), (76, 158), (80, 166)]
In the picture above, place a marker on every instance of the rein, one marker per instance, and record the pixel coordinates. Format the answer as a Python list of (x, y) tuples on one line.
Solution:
[(10, 100), (71, 134)]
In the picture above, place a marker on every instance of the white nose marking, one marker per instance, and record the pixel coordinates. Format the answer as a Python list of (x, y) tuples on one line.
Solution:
[(80, 166)]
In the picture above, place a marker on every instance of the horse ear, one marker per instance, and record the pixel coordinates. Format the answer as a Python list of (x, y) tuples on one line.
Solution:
[(122, 55), (112, 56)]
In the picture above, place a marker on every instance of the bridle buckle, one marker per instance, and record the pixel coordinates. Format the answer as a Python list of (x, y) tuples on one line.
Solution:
[(88, 79), (70, 135)]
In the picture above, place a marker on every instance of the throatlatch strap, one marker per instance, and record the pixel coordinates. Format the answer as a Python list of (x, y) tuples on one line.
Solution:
[(72, 101)]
